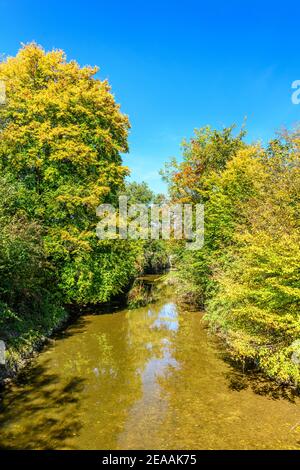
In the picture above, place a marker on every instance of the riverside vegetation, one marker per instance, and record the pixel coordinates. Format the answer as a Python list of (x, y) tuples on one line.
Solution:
[(247, 274), (60, 142), (61, 139)]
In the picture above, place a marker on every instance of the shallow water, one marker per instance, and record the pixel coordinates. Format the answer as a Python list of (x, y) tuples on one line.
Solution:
[(151, 378)]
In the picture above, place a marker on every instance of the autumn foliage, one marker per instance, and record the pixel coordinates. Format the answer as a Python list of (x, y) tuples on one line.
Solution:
[(247, 276), (61, 137)]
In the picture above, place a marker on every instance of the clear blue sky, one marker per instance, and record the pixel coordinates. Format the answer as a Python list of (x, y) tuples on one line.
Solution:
[(174, 65)]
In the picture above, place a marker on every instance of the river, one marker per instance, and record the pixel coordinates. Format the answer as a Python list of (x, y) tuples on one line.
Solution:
[(149, 378)]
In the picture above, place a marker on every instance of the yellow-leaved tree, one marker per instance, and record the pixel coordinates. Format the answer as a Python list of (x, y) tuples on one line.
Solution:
[(61, 136)]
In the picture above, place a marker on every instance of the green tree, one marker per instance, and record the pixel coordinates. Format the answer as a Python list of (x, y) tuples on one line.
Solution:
[(155, 252), (195, 180), (138, 193), (257, 299), (61, 136), (29, 306), (247, 275)]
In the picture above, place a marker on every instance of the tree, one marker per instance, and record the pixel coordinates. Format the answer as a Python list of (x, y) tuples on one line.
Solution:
[(155, 252), (29, 305), (257, 299), (207, 152), (195, 180), (247, 274), (61, 136), (138, 193)]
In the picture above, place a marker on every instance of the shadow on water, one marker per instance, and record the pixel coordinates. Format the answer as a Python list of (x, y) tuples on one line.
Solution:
[(39, 410), (77, 327), (250, 378)]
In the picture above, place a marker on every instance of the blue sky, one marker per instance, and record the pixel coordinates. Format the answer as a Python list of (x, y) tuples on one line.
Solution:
[(174, 65)]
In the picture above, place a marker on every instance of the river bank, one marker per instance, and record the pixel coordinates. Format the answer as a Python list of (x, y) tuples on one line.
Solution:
[(28, 340), (30, 336)]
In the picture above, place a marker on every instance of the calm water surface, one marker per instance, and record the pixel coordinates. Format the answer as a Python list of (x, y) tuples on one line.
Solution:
[(151, 378)]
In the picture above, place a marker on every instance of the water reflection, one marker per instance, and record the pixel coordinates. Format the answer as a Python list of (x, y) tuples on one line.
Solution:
[(167, 317), (145, 378)]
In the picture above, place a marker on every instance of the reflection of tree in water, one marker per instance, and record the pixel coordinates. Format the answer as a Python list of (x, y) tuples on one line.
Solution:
[(212, 405), (151, 333), (126, 342), (79, 393), (149, 378)]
